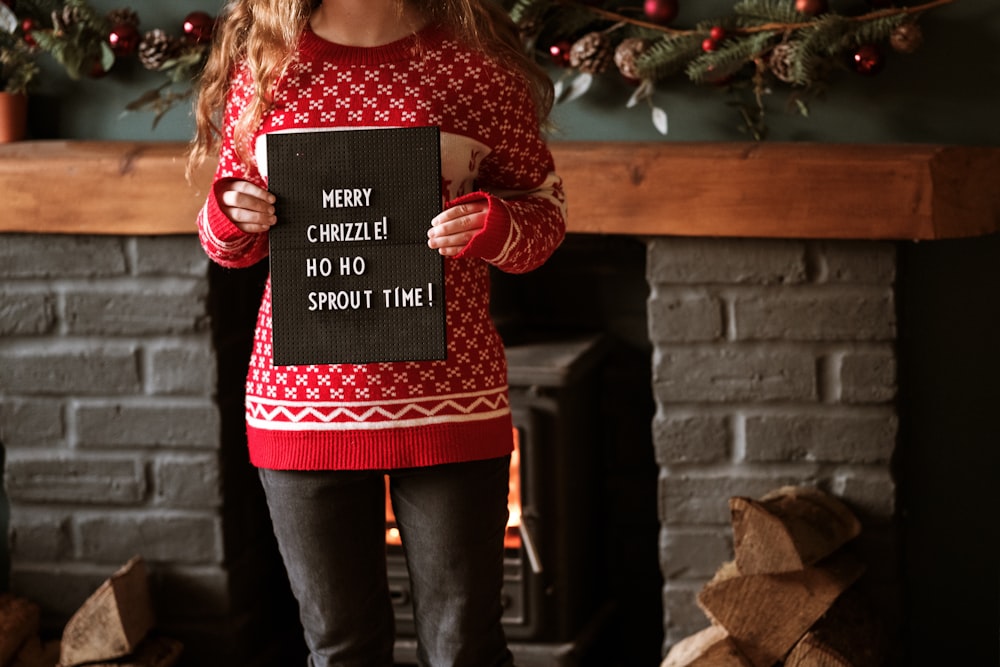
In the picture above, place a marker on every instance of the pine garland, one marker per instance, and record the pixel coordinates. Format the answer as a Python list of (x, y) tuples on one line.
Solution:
[(715, 66), (87, 43), (764, 43)]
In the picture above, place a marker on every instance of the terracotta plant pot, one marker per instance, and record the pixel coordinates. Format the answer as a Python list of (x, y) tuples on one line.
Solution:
[(13, 117)]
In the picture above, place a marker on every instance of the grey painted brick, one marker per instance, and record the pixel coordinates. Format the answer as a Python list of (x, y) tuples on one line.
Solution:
[(40, 536), (182, 366), (157, 536), (63, 479), (863, 262), (60, 588), (684, 316), (870, 491), (734, 373), (147, 423), (26, 312), (193, 591), (701, 497), (170, 255), (815, 313), (859, 436), (694, 553), (67, 368), (60, 255), (32, 422), (187, 482), (733, 261), (681, 614), (126, 308), (690, 438), (868, 376)]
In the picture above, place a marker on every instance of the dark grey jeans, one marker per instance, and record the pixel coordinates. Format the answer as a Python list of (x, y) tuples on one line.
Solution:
[(330, 527)]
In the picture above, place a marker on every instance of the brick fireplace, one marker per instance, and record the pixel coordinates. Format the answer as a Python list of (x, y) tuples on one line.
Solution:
[(768, 359)]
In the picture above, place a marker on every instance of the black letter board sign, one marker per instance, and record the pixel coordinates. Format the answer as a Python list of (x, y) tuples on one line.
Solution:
[(352, 277)]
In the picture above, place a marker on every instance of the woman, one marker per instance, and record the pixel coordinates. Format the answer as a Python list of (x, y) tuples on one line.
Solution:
[(324, 436)]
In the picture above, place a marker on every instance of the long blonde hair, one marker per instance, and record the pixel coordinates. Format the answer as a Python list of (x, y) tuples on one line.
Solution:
[(263, 35)]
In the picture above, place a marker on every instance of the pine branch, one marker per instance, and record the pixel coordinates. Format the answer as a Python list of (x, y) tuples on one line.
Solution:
[(756, 12), (876, 30), (526, 11), (668, 55), (733, 55)]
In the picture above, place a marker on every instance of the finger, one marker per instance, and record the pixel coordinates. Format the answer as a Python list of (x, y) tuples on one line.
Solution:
[(253, 228), (460, 225), (461, 210), (455, 241), (247, 216), (237, 199), (252, 190)]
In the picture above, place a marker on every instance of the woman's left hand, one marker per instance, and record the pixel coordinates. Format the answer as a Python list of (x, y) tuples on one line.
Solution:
[(452, 229)]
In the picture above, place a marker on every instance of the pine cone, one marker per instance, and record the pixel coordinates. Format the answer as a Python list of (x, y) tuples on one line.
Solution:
[(124, 15), (156, 48), (626, 53), (907, 38), (782, 61), (592, 53)]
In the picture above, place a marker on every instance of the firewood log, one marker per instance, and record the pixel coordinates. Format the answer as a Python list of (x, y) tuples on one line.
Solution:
[(811, 651), (848, 635), (19, 620), (711, 647), (789, 529), (154, 651), (32, 654), (112, 621), (766, 614)]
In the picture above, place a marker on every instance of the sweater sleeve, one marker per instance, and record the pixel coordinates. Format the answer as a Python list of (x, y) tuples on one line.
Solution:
[(223, 241), (526, 217)]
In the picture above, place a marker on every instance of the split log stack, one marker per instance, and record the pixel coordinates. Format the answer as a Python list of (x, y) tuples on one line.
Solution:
[(112, 628), (782, 600)]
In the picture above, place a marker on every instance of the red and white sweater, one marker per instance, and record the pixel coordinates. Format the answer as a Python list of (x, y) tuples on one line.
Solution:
[(394, 415)]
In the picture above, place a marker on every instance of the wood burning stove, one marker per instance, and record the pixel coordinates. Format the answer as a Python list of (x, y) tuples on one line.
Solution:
[(553, 597)]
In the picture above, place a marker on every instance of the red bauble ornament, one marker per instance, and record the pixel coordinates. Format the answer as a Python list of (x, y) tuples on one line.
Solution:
[(867, 59), (27, 25), (559, 53), (709, 44), (810, 7), (660, 11), (124, 39), (198, 27), (718, 33)]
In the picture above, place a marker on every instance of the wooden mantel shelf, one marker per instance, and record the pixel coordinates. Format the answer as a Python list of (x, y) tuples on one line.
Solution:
[(785, 190)]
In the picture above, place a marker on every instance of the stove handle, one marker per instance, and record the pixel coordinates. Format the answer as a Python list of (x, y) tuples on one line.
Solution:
[(534, 560)]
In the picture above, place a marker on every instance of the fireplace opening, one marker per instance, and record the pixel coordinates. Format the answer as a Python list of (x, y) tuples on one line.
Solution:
[(585, 471), (554, 594), (512, 540)]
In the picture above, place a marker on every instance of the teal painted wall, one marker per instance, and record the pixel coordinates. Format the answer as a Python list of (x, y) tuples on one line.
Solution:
[(944, 93)]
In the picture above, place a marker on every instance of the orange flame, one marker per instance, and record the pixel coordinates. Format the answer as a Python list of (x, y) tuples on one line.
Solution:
[(512, 537)]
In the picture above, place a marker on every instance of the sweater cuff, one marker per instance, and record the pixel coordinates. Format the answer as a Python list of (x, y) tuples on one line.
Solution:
[(490, 242), (223, 229)]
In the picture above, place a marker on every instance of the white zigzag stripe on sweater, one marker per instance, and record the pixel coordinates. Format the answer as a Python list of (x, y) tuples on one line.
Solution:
[(280, 415)]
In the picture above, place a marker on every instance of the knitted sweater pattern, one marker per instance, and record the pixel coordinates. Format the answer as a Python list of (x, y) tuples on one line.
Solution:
[(399, 414)]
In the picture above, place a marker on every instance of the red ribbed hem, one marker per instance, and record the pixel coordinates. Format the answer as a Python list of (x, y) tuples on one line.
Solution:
[(381, 449)]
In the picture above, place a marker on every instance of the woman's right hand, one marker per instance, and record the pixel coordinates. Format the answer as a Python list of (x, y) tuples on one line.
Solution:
[(250, 207)]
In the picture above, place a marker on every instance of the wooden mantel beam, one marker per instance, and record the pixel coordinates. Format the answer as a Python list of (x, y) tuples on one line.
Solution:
[(783, 190)]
